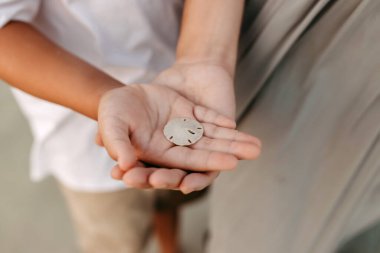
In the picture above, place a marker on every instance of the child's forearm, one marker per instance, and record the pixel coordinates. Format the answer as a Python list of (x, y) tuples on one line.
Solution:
[(210, 31), (32, 63)]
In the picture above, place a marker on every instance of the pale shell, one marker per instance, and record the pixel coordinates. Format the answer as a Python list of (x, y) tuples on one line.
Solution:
[(183, 131)]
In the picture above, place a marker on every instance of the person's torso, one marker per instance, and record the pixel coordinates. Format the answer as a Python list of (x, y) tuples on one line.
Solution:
[(131, 40)]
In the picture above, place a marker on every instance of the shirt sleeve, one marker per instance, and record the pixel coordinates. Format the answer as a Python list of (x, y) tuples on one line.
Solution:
[(20, 10)]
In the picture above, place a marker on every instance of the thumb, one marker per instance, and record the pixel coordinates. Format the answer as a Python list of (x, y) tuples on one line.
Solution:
[(119, 147)]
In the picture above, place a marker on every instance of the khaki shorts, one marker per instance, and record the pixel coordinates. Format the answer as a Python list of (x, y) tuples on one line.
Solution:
[(117, 222)]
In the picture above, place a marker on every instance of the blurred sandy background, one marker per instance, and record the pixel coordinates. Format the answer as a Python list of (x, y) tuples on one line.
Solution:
[(33, 216)]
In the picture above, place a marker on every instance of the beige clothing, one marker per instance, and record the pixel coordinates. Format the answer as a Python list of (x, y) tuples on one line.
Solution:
[(312, 80), (117, 222)]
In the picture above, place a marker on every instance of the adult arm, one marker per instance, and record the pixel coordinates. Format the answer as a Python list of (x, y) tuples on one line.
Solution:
[(210, 32)]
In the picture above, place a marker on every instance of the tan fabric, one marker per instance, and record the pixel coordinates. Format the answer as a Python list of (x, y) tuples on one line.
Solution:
[(318, 113), (116, 222), (268, 36)]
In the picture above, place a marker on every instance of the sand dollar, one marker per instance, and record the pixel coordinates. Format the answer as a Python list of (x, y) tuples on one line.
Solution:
[(183, 131)]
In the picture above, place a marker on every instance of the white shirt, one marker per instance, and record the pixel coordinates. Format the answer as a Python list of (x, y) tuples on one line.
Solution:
[(132, 40)]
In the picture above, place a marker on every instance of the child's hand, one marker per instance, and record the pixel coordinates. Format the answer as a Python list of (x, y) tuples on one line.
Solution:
[(208, 84), (131, 121)]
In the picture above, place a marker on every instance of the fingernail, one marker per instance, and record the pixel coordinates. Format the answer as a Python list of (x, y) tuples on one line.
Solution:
[(187, 191)]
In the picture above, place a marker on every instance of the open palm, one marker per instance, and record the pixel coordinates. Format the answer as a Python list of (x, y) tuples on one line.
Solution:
[(208, 84), (131, 121)]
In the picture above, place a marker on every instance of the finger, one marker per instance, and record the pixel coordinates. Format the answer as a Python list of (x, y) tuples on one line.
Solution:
[(204, 114), (242, 150), (215, 132), (117, 173), (167, 178), (197, 181), (98, 139), (138, 177), (119, 147), (196, 160)]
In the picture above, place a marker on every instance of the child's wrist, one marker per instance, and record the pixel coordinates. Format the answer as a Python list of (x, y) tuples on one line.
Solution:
[(102, 84)]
